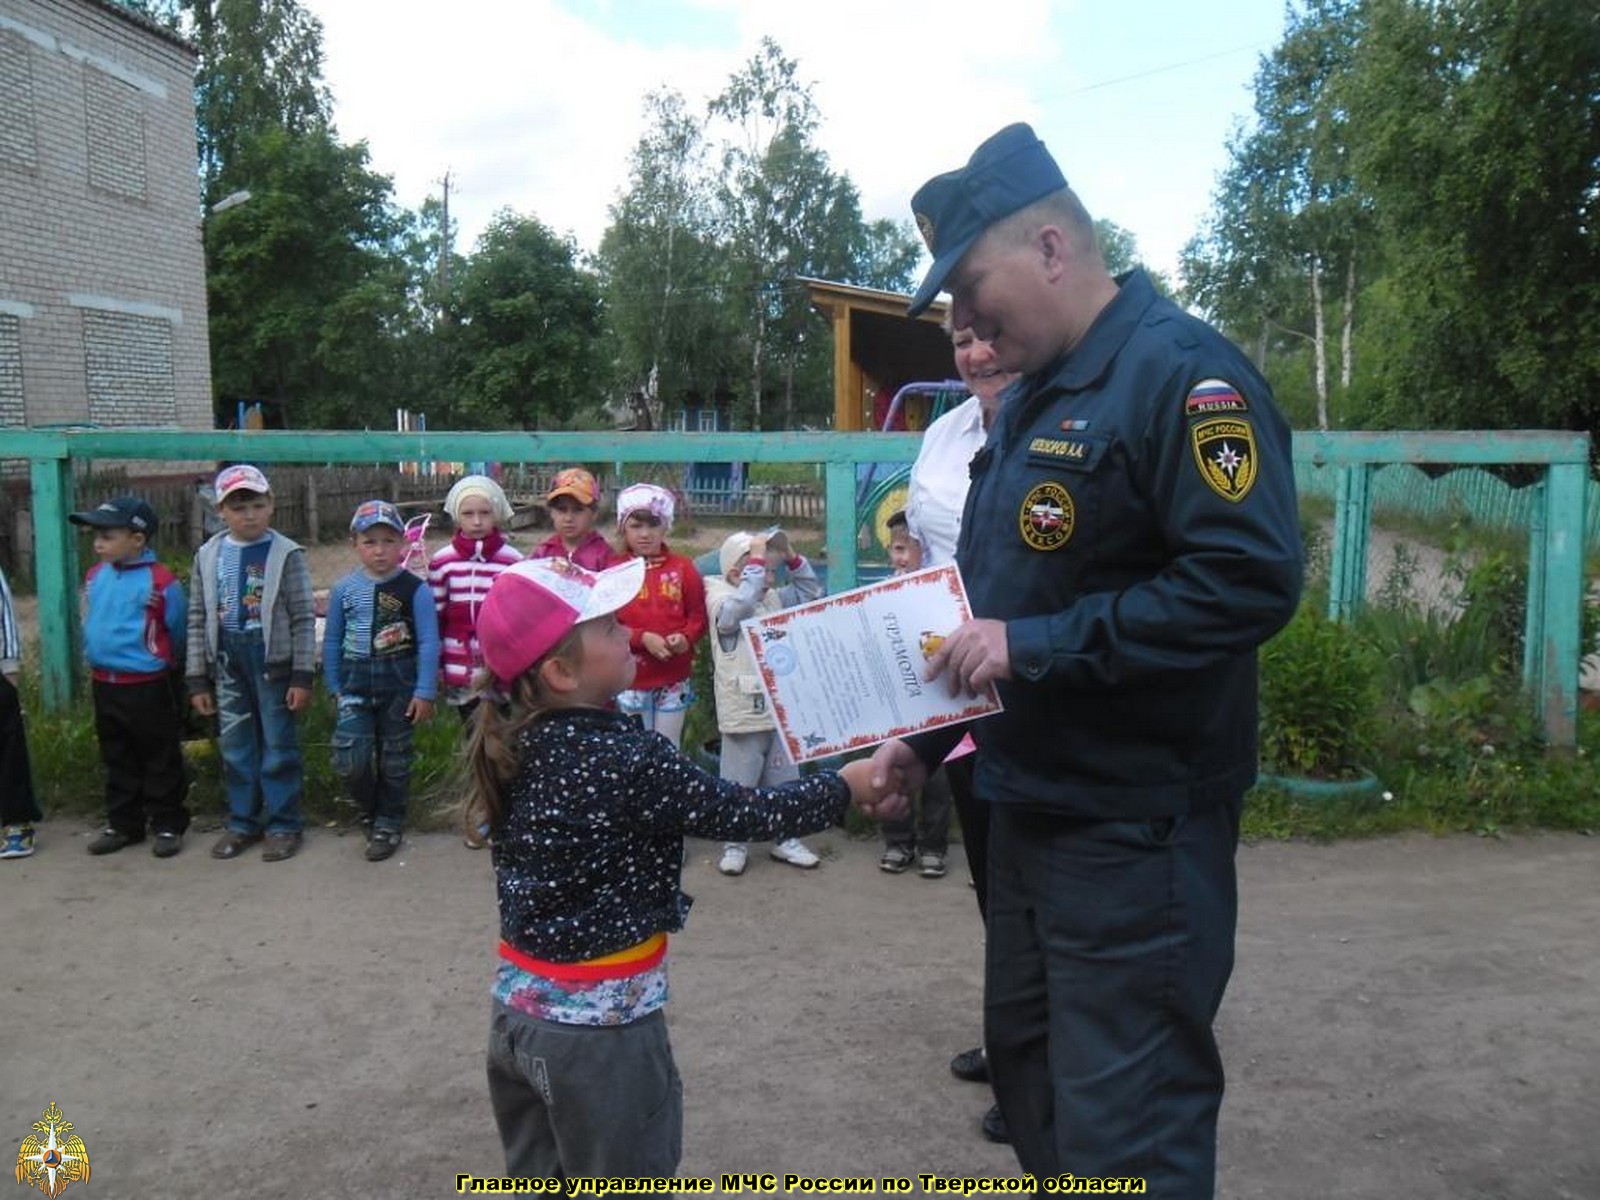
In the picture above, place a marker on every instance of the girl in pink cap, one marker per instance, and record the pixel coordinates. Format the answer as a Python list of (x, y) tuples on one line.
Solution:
[(588, 814), (666, 619)]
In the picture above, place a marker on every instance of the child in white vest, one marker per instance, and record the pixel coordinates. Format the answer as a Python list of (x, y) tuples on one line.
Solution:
[(752, 753)]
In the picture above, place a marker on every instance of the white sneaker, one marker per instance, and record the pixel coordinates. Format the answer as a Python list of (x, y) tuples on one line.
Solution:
[(796, 853), (733, 859)]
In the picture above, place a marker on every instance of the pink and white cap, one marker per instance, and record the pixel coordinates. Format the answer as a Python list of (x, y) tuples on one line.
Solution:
[(646, 497), (532, 604)]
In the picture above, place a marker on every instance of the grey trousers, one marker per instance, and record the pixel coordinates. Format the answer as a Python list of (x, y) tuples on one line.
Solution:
[(585, 1100)]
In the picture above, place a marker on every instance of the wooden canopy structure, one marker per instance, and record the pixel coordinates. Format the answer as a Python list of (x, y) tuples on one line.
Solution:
[(877, 348)]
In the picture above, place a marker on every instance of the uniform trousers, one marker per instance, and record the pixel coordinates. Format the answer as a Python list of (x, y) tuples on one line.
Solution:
[(1109, 946)]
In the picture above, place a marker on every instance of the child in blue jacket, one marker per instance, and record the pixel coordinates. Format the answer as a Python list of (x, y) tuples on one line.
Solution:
[(135, 623)]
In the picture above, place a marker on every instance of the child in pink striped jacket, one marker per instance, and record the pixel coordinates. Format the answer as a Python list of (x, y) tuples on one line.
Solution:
[(460, 575)]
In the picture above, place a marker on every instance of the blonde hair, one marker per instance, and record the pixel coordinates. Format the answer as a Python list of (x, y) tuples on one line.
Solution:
[(494, 754)]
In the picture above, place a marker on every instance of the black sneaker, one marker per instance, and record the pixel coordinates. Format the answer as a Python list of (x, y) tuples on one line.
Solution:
[(382, 844), (110, 841), (971, 1065), (167, 844)]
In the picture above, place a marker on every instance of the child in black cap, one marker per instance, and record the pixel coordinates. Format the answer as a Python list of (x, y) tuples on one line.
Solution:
[(134, 627)]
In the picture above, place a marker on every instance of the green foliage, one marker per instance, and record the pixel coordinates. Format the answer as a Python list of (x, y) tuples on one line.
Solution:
[(67, 777), (523, 349), (1318, 698), (303, 283), (1478, 151), (260, 70), (1426, 172)]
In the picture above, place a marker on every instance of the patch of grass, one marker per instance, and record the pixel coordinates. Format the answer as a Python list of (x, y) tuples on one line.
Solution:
[(67, 777)]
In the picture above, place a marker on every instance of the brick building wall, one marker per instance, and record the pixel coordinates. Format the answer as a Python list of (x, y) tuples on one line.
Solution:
[(102, 271)]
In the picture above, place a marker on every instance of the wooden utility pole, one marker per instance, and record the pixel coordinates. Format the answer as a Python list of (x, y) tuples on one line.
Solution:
[(444, 245)]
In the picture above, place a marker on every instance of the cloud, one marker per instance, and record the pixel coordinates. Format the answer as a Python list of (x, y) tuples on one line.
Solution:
[(537, 105)]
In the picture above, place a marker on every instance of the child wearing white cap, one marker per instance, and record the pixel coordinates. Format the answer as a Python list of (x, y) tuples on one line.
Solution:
[(588, 814), (459, 576), (752, 753)]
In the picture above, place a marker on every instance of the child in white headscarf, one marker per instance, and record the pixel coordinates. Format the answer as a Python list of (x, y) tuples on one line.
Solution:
[(666, 620), (460, 575)]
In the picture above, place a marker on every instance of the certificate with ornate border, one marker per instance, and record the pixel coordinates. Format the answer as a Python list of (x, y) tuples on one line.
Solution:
[(846, 672)]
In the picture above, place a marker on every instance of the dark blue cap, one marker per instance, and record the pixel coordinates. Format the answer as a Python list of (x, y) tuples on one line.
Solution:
[(124, 512), (1007, 173)]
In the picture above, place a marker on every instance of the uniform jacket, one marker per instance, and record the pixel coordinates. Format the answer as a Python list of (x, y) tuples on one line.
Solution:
[(589, 853), (741, 702), (288, 618), (1132, 520), (135, 620), (460, 575), (672, 599)]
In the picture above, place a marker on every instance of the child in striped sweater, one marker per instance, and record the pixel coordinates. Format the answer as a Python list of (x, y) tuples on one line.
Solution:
[(460, 575)]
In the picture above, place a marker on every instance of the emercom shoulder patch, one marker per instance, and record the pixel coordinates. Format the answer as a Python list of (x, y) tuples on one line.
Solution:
[(1225, 452)]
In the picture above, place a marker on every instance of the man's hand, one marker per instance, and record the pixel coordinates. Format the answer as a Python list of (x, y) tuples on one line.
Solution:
[(204, 703), (297, 699), (419, 710), (655, 645), (973, 657), (872, 800)]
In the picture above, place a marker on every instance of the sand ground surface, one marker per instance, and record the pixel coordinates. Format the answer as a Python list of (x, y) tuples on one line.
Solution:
[(1412, 1017)]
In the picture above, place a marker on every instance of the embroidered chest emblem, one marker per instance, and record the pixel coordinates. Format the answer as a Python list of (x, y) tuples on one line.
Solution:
[(1047, 517), (1225, 452)]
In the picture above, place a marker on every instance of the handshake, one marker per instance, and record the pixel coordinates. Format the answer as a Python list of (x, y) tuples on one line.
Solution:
[(881, 786)]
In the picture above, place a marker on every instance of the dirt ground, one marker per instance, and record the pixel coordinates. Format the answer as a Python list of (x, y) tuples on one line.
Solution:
[(1412, 1017)]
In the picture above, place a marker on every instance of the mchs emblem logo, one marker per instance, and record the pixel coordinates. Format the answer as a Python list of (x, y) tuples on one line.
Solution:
[(1225, 451), (1047, 517), (57, 1160)]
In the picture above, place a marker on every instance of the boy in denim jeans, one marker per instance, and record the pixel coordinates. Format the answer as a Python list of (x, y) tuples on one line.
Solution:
[(380, 659), (252, 654)]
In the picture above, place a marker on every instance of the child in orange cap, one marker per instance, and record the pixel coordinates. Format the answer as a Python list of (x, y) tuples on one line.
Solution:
[(574, 503)]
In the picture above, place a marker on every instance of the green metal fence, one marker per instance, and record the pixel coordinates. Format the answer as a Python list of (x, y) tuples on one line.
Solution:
[(1555, 519)]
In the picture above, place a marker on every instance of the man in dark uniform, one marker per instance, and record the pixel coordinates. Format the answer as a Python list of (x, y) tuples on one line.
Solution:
[(1130, 538)]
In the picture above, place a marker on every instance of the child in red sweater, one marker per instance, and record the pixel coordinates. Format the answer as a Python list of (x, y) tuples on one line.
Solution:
[(666, 619)]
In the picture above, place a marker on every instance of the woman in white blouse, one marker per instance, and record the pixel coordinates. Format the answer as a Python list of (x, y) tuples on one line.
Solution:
[(937, 494)]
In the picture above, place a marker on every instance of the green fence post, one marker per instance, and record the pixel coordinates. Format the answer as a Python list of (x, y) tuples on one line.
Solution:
[(841, 525), (55, 573), (1533, 628), (1560, 648), (1352, 520)]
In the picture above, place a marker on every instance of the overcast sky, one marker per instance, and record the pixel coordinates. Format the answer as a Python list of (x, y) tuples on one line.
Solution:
[(535, 105)]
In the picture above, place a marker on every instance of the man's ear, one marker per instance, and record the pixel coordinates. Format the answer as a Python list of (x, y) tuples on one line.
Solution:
[(1054, 248)]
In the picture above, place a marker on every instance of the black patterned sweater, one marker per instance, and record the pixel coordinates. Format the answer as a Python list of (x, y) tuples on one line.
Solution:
[(589, 852)]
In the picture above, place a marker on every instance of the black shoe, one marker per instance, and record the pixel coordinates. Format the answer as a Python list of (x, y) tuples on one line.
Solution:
[(167, 844), (382, 844), (994, 1126), (971, 1065), (110, 841)]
